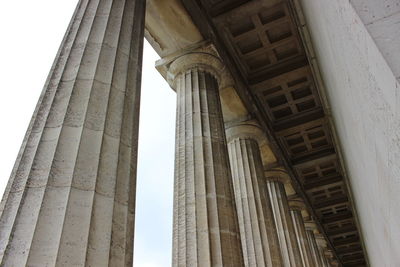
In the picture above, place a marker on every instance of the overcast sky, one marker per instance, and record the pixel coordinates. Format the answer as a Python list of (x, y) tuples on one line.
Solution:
[(31, 32)]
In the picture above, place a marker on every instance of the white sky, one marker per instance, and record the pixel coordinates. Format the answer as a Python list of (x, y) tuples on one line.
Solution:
[(30, 34)]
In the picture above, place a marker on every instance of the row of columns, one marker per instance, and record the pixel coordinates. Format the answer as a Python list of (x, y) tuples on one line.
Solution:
[(228, 211), (70, 200)]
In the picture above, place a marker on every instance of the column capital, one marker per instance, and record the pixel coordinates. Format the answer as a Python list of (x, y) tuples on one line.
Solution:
[(297, 204), (245, 129), (334, 263), (329, 254), (321, 241), (277, 174), (205, 57), (311, 225)]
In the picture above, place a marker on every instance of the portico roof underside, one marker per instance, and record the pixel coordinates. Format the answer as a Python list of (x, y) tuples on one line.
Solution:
[(267, 49)]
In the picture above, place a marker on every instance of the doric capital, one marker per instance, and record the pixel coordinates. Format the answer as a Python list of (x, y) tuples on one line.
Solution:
[(297, 204), (277, 174), (334, 263), (321, 241), (204, 58), (328, 254), (310, 225), (246, 129)]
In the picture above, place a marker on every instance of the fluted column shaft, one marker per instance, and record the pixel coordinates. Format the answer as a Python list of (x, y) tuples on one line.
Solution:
[(302, 241), (284, 224), (314, 248), (324, 260), (70, 200), (322, 245), (206, 231), (257, 227)]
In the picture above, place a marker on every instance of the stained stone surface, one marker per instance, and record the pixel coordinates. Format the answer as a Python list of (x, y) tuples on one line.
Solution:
[(322, 246), (70, 200), (301, 235), (257, 227), (206, 231), (314, 247), (285, 229), (365, 107)]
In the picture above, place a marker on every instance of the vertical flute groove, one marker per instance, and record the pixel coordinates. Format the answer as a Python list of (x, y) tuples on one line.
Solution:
[(257, 228), (78, 149), (314, 248), (205, 231), (99, 242), (302, 241), (13, 196), (41, 168), (286, 235)]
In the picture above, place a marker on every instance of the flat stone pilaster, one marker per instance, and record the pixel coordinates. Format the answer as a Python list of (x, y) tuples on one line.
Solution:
[(70, 200), (296, 206), (206, 231), (257, 227), (284, 224)]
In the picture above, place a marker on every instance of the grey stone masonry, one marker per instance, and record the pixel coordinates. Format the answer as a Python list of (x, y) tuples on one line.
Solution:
[(305, 250), (70, 200), (257, 227), (284, 224), (206, 231)]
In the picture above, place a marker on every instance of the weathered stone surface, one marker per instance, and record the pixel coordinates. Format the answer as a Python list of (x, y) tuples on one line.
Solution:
[(296, 206), (285, 229), (257, 227), (381, 20), (70, 200), (206, 231), (313, 244), (169, 28), (362, 90), (322, 247)]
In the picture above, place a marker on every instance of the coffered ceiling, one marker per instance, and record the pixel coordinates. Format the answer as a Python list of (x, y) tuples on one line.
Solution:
[(260, 43)]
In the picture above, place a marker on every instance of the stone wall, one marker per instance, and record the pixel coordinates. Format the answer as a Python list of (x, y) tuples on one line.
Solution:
[(364, 96), (381, 18)]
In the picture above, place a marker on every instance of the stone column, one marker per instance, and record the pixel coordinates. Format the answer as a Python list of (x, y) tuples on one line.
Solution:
[(257, 227), (285, 229), (206, 231), (330, 259), (296, 206), (322, 247), (333, 262), (310, 227), (70, 200)]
